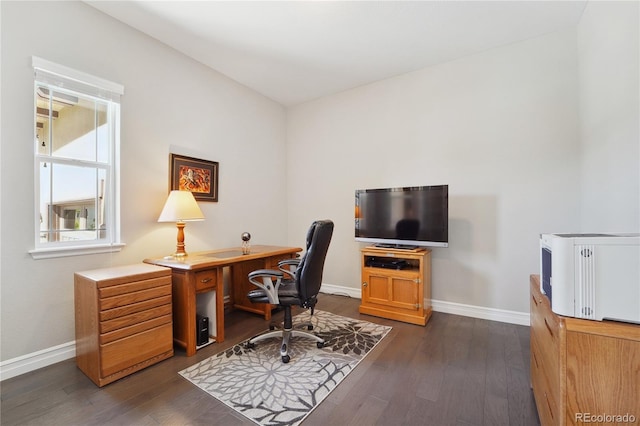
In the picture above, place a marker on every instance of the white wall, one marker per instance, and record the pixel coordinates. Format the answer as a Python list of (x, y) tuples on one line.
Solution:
[(610, 116), (169, 101), (537, 136), (500, 127)]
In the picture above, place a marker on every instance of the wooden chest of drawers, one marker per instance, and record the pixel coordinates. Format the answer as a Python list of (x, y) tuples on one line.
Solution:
[(582, 371), (123, 320)]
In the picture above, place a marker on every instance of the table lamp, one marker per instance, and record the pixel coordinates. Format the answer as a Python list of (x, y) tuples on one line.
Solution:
[(181, 207)]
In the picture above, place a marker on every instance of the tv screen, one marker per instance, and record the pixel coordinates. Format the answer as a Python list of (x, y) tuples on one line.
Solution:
[(403, 217)]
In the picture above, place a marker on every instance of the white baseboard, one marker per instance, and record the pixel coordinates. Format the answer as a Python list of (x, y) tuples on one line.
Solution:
[(340, 290), (26, 363), (33, 361), (492, 314)]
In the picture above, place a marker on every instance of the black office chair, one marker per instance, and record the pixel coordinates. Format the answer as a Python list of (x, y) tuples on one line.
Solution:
[(299, 286)]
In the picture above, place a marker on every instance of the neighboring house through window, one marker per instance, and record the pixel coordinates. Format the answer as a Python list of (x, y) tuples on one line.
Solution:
[(77, 134)]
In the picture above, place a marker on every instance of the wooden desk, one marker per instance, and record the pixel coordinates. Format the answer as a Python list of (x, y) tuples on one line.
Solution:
[(201, 273)]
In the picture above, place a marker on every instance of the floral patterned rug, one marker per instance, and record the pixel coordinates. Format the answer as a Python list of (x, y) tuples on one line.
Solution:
[(257, 384)]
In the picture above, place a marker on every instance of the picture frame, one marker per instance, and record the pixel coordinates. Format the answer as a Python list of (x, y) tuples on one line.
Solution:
[(200, 177)]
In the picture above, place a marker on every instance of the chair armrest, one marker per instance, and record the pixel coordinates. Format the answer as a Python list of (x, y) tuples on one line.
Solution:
[(268, 280), (289, 266), (289, 262)]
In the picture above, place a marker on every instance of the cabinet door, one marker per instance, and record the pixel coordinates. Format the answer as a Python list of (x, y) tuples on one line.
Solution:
[(405, 293), (375, 288), (391, 290)]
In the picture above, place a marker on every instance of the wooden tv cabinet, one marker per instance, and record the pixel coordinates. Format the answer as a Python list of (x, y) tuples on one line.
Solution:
[(397, 294), (582, 370)]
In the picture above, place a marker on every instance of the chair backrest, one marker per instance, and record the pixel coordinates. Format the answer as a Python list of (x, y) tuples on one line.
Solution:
[(309, 272)]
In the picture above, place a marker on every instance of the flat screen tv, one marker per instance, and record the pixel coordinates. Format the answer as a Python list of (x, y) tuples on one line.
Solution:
[(403, 217)]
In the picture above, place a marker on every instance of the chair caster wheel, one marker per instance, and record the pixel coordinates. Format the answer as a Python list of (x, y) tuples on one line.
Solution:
[(272, 327), (250, 345), (309, 327), (320, 345), (286, 359)]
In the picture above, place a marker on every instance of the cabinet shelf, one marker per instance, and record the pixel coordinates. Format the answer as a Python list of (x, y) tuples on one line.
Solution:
[(211, 340)]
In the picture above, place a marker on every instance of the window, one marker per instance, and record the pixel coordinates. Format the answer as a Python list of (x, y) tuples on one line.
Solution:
[(77, 127)]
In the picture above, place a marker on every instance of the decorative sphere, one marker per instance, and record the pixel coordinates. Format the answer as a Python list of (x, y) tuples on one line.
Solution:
[(246, 236)]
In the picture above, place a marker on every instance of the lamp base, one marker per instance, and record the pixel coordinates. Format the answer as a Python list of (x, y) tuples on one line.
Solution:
[(180, 252)]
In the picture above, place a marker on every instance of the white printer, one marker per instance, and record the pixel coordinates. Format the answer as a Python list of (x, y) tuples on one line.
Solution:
[(592, 276)]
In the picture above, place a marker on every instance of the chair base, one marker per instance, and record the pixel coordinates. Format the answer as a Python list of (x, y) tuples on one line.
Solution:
[(286, 334)]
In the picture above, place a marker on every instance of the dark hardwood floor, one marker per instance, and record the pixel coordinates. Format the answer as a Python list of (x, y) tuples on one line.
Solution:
[(455, 371)]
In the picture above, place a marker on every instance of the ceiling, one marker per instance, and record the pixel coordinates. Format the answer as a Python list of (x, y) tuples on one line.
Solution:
[(296, 51)]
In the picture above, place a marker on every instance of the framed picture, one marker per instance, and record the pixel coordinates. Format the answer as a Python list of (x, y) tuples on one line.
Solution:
[(197, 176)]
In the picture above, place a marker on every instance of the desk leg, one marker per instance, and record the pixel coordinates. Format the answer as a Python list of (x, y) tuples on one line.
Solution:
[(184, 310), (219, 307)]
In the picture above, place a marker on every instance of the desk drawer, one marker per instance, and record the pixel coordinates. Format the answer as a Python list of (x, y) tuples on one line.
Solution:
[(134, 307), (272, 262), (139, 327), (134, 286), (128, 352), (546, 402), (206, 280), (131, 298), (134, 318), (547, 336), (545, 331)]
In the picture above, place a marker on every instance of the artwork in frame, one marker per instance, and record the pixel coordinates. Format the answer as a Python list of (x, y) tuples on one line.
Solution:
[(200, 177)]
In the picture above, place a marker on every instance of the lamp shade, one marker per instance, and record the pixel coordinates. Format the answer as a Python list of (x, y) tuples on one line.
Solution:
[(181, 206)]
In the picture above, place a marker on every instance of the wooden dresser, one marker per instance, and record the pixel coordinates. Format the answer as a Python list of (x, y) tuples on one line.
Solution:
[(123, 320), (583, 371)]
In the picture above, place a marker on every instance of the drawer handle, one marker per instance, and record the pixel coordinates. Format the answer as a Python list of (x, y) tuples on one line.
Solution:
[(534, 300), (548, 328), (205, 280)]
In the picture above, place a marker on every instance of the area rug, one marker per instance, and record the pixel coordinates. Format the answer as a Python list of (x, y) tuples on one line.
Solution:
[(256, 383)]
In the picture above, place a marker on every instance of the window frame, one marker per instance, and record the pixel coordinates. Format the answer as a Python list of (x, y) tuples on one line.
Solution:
[(64, 78)]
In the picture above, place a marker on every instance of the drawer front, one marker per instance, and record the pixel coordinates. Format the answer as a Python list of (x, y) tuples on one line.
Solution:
[(272, 262), (206, 280), (546, 333), (121, 333), (546, 403), (133, 286), (546, 372), (134, 318), (127, 352), (134, 307), (135, 297)]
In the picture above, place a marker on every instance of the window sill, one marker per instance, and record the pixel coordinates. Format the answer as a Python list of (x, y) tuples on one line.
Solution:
[(53, 252)]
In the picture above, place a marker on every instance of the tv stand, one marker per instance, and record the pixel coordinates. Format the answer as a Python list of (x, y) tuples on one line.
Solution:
[(396, 283)]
